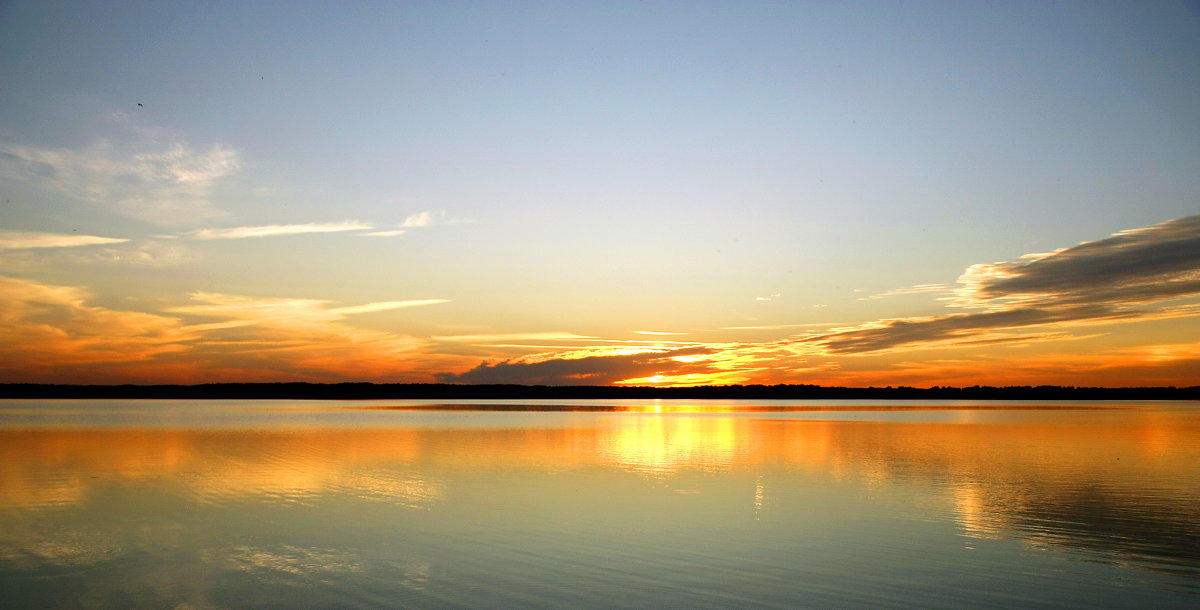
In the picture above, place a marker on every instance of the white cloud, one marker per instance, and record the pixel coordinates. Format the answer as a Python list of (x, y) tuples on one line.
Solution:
[(152, 253), (169, 185), (421, 219), (387, 305), (918, 289), (277, 230), (13, 240), (490, 338)]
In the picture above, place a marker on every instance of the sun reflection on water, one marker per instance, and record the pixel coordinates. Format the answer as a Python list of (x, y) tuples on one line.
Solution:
[(660, 446), (1125, 493)]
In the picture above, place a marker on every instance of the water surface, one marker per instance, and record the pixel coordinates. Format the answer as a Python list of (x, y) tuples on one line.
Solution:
[(598, 504)]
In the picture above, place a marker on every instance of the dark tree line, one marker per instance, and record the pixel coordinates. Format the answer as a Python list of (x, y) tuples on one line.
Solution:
[(362, 391)]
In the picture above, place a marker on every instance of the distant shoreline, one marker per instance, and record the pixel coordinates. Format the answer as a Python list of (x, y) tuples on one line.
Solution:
[(399, 391)]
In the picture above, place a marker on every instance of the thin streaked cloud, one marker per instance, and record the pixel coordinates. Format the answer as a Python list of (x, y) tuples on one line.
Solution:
[(16, 240), (421, 219), (918, 289), (783, 326), (1128, 277), (500, 337), (152, 253), (167, 184), (387, 306), (50, 330), (587, 370), (279, 230), (418, 220)]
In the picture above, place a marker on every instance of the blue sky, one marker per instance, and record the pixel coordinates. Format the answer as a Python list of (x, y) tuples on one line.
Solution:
[(587, 169)]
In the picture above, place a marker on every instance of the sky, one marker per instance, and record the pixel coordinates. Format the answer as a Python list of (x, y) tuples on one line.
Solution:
[(632, 193)]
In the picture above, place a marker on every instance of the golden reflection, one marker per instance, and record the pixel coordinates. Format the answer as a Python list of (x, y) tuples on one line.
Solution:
[(997, 479), (45, 467), (658, 446)]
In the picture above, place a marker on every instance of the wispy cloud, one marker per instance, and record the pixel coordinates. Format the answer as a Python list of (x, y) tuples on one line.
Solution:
[(1130, 276), (421, 219), (50, 333), (589, 370), (304, 337), (416, 221), (501, 337), (650, 364), (14, 240), (45, 328), (152, 253), (783, 326), (166, 184), (298, 311), (278, 230), (655, 332), (387, 306), (918, 289)]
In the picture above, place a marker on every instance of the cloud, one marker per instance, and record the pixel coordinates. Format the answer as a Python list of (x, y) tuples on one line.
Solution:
[(1130, 276), (1131, 267), (44, 328), (387, 305), (278, 230), (168, 185), (14, 240), (146, 254), (588, 370), (710, 363), (303, 338), (295, 311), (422, 219), (51, 333), (416, 221), (149, 254), (784, 326), (918, 289), (498, 337), (957, 329)]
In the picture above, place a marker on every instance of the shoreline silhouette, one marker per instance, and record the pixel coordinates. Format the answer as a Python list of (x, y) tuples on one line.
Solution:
[(394, 391)]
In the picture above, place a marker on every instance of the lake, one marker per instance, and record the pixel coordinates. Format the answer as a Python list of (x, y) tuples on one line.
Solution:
[(599, 504)]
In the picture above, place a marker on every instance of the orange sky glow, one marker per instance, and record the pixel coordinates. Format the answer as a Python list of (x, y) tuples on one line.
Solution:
[(600, 193)]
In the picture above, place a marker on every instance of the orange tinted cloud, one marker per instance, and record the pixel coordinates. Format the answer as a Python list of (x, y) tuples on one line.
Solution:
[(45, 328), (1139, 275), (1135, 275), (51, 333)]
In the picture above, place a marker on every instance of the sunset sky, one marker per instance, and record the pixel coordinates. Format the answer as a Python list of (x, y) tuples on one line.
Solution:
[(658, 193)]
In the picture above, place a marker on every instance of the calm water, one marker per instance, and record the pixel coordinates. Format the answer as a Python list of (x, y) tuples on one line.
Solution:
[(598, 504)]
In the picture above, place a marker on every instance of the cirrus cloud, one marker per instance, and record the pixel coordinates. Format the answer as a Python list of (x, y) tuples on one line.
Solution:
[(19, 240), (162, 184), (278, 230), (561, 369), (55, 334), (1134, 275)]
